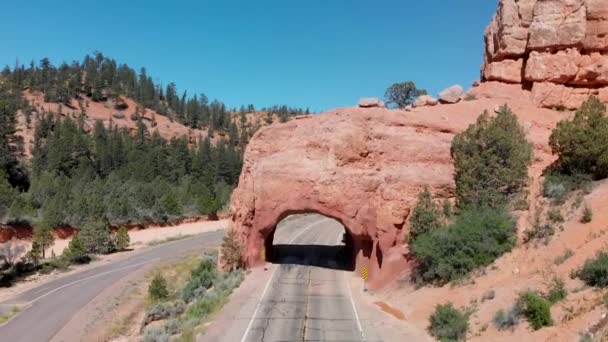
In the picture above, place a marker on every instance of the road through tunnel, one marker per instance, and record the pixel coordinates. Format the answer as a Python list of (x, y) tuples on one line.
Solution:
[(311, 240)]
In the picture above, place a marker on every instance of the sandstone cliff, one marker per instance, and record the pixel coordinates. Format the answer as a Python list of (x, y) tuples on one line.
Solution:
[(558, 49)]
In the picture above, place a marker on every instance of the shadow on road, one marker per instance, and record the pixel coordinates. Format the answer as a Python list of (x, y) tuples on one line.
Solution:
[(331, 257)]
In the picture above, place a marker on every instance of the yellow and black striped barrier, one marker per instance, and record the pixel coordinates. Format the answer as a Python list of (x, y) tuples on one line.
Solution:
[(365, 273), (263, 254)]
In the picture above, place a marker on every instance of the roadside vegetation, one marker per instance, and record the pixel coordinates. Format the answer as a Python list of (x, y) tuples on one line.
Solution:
[(10, 314), (449, 323), (179, 311), (93, 239), (533, 307)]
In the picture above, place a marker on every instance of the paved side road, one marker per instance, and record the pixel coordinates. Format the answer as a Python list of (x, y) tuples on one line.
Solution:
[(50, 306)]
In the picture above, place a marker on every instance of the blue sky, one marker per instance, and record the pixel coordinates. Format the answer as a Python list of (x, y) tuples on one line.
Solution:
[(318, 53)]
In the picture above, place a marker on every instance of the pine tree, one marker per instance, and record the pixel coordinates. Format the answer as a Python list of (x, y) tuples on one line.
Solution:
[(76, 251), (96, 238), (43, 237), (7, 194), (11, 144), (122, 238), (491, 159), (426, 216)]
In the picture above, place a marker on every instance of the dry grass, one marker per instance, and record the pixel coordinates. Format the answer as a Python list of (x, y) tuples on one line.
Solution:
[(7, 316), (134, 301)]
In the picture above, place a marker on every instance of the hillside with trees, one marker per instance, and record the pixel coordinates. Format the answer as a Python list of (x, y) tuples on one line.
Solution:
[(97, 141)]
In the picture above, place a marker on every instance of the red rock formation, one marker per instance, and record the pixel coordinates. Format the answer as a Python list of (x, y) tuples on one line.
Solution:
[(362, 167), (556, 48)]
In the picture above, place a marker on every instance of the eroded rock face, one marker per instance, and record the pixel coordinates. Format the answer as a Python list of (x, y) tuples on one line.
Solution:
[(361, 166), (557, 48)]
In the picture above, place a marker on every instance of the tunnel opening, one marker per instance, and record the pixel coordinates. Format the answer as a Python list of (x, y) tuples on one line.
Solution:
[(311, 240)]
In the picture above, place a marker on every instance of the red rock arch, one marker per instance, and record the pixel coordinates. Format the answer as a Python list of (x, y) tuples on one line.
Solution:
[(362, 167)]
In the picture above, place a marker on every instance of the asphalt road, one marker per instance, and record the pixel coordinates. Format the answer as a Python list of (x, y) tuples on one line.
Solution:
[(308, 297), (49, 307)]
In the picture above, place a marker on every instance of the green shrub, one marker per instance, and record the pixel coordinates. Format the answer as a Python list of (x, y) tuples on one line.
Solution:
[(582, 143), (536, 309), (158, 288), (213, 299), (557, 291), (53, 264), (587, 214), (595, 271), (173, 326), (557, 186), (447, 209), (96, 237), (555, 215), (491, 160), (507, 319), (426, 216), (476, 238), (164, 311), (203, 277), (157, 334), (449, 323), (76, 252), (122, 238)]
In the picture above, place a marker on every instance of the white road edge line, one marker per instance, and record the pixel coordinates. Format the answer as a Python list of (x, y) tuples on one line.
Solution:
[(259, 304), (87, 278), (350, 294)]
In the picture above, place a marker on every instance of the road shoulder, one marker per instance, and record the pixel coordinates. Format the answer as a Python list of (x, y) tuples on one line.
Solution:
[(379, 325), (232, 321)]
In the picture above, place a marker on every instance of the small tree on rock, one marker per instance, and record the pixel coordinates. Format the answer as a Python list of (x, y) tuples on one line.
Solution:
[(582, 143), (403, 94), (491, 159)]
